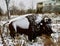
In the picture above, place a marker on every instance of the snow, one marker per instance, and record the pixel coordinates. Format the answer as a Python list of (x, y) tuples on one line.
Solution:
[(2, 22), (13, 16), (35, 44), (19, 17), (55, 36), (55, 27), (39, 18), (1, 44), (1, 41), (57, 18), (23, 23)]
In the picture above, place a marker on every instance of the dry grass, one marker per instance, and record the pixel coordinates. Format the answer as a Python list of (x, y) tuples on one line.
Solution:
[(47, 41)]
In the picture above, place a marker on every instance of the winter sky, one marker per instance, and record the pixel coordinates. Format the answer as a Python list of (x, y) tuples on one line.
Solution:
[(27, 3)]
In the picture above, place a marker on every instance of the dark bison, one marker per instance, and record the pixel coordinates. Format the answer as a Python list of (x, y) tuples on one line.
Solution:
[(31, 25)]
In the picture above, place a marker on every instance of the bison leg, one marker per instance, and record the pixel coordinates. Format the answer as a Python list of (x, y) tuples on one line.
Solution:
[(32, 36), (12, 34), (12, 30)]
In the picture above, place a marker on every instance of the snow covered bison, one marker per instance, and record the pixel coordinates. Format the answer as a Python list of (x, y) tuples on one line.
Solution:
[(30, 25)]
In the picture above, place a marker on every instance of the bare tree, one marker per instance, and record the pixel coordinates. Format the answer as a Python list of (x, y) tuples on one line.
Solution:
[(7, 4), (1, 11), (32, 6), (13, 10)]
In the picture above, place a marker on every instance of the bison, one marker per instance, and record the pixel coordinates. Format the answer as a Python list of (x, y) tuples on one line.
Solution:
[(31, 25)]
